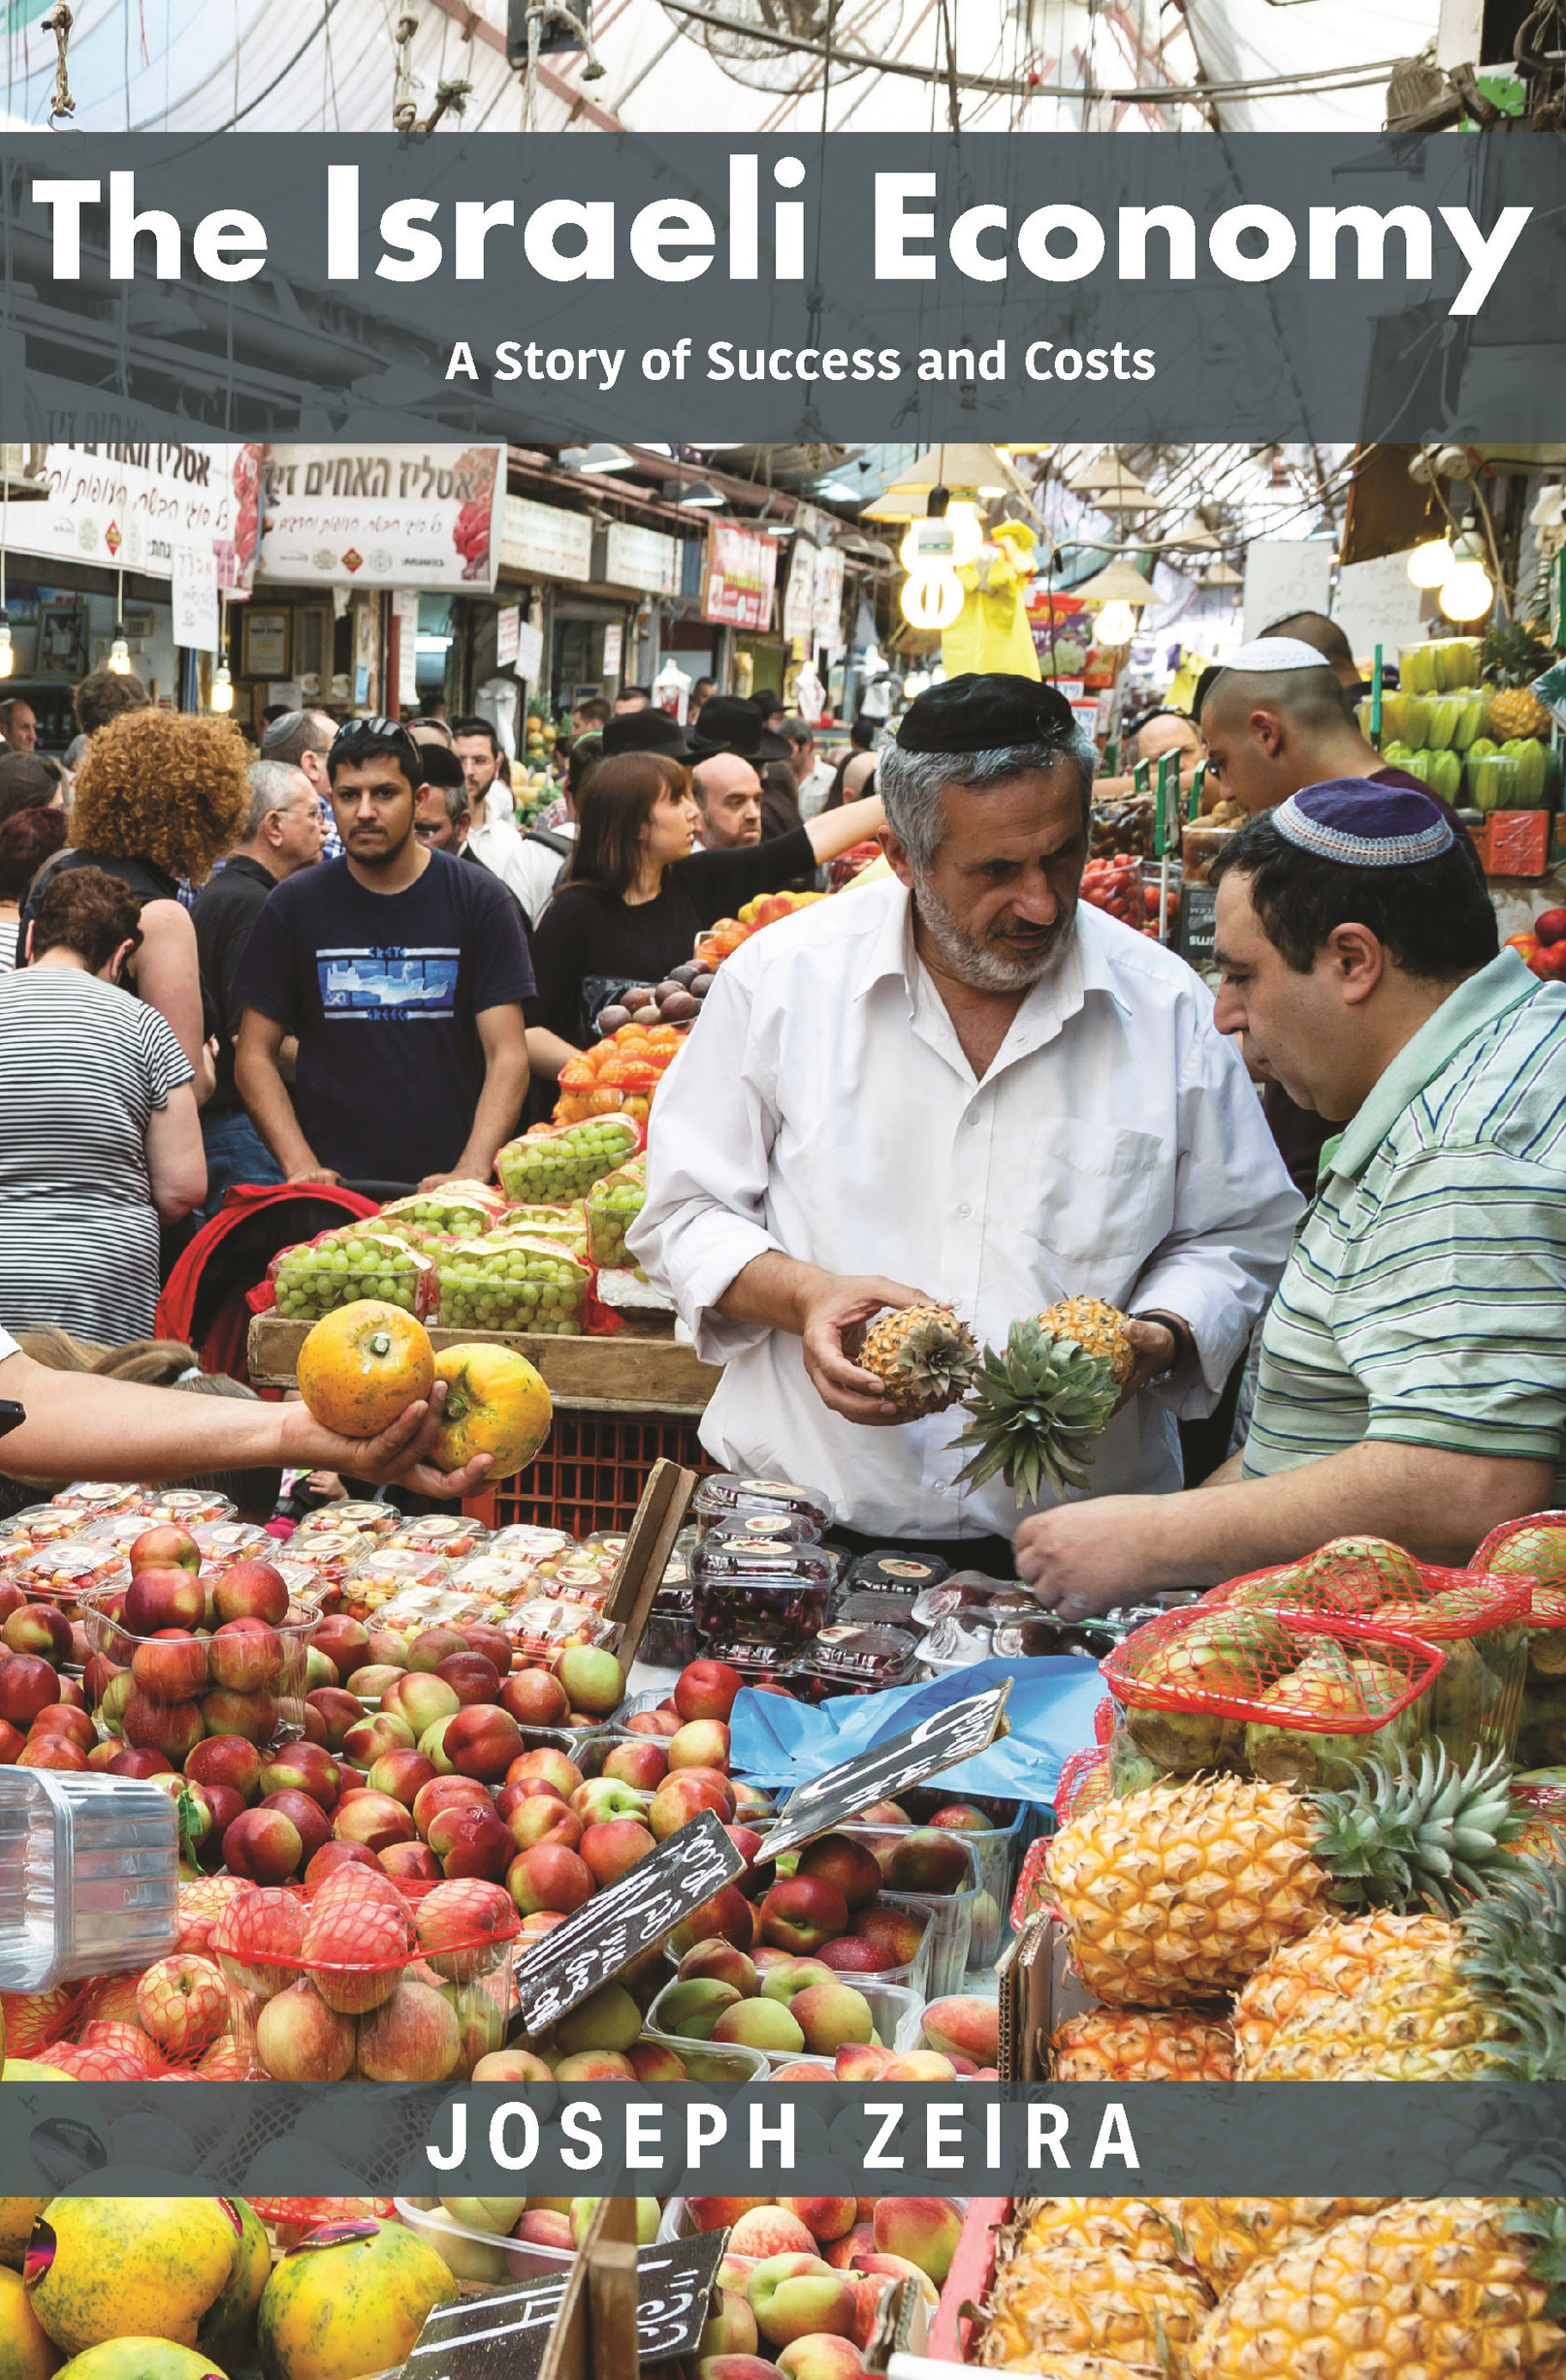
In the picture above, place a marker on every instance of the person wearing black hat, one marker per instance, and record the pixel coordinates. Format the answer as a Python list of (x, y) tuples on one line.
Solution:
[(733, 724), (638, 893), (1410, 1383), (958, 1086)]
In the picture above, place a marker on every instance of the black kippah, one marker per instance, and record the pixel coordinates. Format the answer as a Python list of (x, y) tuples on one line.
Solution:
[(983, 713)]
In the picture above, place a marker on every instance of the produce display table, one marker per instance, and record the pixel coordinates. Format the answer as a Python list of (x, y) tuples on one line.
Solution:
[(625, 1372)]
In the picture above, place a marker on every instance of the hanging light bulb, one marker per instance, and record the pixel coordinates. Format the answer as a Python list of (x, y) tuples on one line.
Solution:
[(1431, 564), (968, 531), (220, 695), (8, 660), (1468, 591), (1115, 625), (119, 652), (932, 594)]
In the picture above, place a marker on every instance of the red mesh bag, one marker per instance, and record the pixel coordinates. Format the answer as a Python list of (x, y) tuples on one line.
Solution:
[(1534, 1545), (1084, 1782), (1032, 1896), (1479, 1620)]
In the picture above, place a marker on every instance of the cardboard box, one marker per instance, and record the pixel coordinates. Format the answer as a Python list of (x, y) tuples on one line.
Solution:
[(1039, 1990)]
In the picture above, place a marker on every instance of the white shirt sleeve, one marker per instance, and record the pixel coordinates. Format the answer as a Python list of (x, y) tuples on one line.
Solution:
[(709, 1150), (8, 1345), (1236, 1208)]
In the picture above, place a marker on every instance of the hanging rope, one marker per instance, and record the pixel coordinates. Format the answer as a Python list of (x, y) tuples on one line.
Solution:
[(59, 21), (551, 12), (451, 96)]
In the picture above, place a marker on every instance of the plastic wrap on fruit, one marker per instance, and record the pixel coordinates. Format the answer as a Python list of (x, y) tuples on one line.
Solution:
[(357, 1516), (463, 1210), (341, 1267), (552, 1167), (612, 1205), (512, 1282), (733, 1491), (565, 1224), (1330, 1679)]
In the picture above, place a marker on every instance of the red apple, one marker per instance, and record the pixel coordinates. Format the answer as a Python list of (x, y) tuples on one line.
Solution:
[(27, 1686), (534, 1698), (471, 1677), (802, 1911), (445, 1793), (64, 1719), (706, 1690), (653, 1723), (645, 1765), (252, 1591), (167, 1546), (41, 1629), (470, 1840), (173, 1727), (246, 1655), (309, 1820), (227, 1760), (170, 1666), (264, 1845), (254, 1716), (137, 1763), (493, 1642), (482, 1741), (163, 1599)]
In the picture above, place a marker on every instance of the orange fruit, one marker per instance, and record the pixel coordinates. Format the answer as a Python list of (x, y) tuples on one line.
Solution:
[(664, 1037), (496, 1404), (599, 1051), (603, 1101), (363, 1365)]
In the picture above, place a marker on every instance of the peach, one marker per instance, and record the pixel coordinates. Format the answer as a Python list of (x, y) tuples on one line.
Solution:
[(861, 2062), (329, 1858), (919, 2066), (363, 1745), (787, 1976), (606, 1797), (482, 1740), (803, 2070), (372, 1681), (433, 1645), (595, 2066), (470, 1840), (883, 1814), (794, 2296), (609, 2020), (728, 1912), (411, 1863), (764, 2229), (611, 1849), (802, 1913), (702, 1743), (924, 2230), (303, 1768), (966, 2026), (716, 2214), (540, 1818), (643, 1765), (858, 2240), (758, 2024), (657, 2062), (343, 1640), (403, 1773), (682, 1796), (929, 1860), (544, 2229), (244, 1654), (307, 1816), (869, 2288), (848, 1954), (829, 2014), (659, 1722), (821, 2356), (692, 2008), (549, 1765), (534, 1698), (844, 1862), (373, 1820), (735, 2368), (340, 1711), (896, 1930), (419, 1698), (752, 1847), (824, 2218), (706, 1690), (592, 1678), (512, 2066), (732, 2329), (719, 1959), (472, 1676), (444, 1794), (550, 1876), (882, 2267)]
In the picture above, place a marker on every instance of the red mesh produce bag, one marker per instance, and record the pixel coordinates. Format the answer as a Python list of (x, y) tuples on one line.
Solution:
[(1535, 1544), (1227, 1662), (1033, 1895), (1084, 1782)]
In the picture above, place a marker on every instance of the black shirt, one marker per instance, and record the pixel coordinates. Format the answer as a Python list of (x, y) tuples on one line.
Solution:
[(585, 931), (223, 917)]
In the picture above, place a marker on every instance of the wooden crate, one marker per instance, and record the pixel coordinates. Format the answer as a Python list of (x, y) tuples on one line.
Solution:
[(624, 1372)]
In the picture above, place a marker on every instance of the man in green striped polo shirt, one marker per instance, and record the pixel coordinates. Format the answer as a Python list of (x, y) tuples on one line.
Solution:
[(1412, 1364)]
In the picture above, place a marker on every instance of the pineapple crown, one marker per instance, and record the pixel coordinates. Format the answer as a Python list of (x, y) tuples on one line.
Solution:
[(1513, 1949), (1401, 1835), (1036, 1409), (1513, 655), (1542, 2221)]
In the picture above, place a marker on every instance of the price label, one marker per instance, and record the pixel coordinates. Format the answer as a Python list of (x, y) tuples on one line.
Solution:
[(647, 1904), (502, 2337), (839, 1794)]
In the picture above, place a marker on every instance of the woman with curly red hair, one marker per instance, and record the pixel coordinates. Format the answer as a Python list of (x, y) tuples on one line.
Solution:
[(160, 796)]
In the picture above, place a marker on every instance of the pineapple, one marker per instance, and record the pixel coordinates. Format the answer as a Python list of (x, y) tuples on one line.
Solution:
[(1044, 2228), (1223, 2237), (1512, 656), (1180, 1894), (924, 1357), (1427, 2289), (1178, 2044), (1038, 1408), (1416, 1999), (1095, 2301)]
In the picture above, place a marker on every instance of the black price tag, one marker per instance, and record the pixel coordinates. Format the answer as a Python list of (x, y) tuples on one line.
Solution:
[(839, 1793), (1199, 924), (502, 2337), (647, 1904)]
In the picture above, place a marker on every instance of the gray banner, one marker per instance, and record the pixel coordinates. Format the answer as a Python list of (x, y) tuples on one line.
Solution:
[(1327, 2140), (858, 287)]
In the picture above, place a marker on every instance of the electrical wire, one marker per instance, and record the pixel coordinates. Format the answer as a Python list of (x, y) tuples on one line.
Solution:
[(208, 132)]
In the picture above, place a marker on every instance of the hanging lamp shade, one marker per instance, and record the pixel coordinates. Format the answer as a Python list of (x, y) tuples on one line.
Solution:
[(972, 471), (1221, 574), (1110, 485), (1192, 536), (1117, 583)]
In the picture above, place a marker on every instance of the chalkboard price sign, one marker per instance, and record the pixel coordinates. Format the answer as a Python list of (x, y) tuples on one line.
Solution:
[(647, 1904), (839, 1794), (503, 2335)]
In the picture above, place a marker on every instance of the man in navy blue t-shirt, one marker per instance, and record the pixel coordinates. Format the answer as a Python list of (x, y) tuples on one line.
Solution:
[(402, 975)]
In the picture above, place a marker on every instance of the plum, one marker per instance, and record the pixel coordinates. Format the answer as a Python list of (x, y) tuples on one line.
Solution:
[(685, 975), (679, 1008), (640, 995), (613, 1018), (650, 1015), (666, 990), (701, 987)]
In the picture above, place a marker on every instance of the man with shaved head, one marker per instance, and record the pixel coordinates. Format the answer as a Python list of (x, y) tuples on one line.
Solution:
[(1328, 640), (1275, 722)]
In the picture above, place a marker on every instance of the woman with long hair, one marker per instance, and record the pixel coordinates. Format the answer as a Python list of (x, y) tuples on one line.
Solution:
[(160, 796), (638, 895)]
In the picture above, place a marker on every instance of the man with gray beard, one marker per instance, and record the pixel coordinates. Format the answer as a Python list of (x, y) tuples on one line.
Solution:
[(958, 1087)]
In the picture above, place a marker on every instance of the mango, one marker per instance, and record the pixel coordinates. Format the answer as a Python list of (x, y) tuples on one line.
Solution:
[(17, 2215), (103, 2268), (335, 2308)]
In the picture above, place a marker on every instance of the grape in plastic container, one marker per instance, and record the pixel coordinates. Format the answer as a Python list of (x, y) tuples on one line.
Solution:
[(165, 1693), (547, 1168), (89, 1876), (613, 1204), (463, 1210), (565, 1224), (513, 1284), (341, 1268), (733, 1491)]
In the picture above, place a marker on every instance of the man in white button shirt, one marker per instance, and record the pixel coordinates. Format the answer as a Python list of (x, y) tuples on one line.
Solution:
[(958, 1086)]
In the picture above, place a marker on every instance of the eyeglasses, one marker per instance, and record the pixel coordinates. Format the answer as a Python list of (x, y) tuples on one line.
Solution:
[(376, 726)]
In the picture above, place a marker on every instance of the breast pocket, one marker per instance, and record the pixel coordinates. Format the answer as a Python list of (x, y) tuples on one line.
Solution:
[(1092, 1202)]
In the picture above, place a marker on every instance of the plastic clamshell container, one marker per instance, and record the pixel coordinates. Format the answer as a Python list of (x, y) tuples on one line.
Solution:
[(359, 1517), (98, 1495), (44, 1524), (89, 1876), (166, 1702), (524, 1541), (896, 2013), (66, 1572), (727, 1492), (223, 1542), (449, 1533), (187, 1507), (385, 1572), (480, 2257), (897, 1574), (851, 1656), (755, 1596)]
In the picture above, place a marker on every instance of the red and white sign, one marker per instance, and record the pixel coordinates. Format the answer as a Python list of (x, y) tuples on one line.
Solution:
[(741, 574)]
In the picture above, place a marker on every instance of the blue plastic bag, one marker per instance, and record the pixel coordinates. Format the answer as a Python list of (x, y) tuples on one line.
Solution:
[(780, 1743)]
